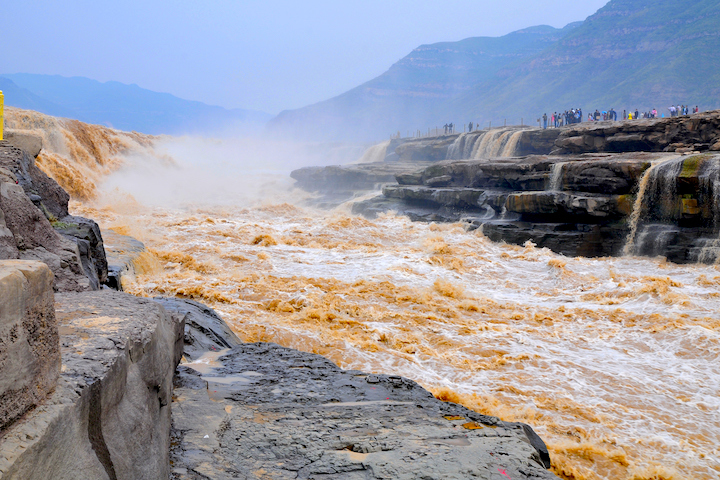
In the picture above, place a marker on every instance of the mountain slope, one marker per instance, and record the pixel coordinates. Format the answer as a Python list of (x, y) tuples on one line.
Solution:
[(19, 97), (413, 92), (630, 54), (126, 107)]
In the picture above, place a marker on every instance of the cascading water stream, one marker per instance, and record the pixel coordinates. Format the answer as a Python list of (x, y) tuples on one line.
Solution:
[(710, 189), (659, 182), (456, 148), (511, 146), (376, 153), (556, 176)]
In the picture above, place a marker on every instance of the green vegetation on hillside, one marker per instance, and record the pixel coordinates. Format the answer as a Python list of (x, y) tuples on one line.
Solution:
[(630, 54)]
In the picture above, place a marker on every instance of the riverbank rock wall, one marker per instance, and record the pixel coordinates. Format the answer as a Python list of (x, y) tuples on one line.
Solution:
[(698, 132), (109, 414), (589, 205), (29, 343), (35, 224)]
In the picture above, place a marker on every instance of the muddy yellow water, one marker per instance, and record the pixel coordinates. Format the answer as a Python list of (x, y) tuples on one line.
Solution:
[(615, 362)]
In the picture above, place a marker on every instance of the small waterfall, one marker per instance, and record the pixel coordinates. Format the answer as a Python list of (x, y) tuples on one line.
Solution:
[(511, 146), (657, 190), (456, 149), (556, 177), (376, 153), (710, 192), (480, 150), (471, 143), (710, 252)]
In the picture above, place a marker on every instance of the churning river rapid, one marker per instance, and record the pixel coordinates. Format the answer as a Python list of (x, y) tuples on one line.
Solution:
[(615, 362)]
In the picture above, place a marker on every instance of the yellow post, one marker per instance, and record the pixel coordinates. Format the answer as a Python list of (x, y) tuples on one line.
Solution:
[(2, 116)]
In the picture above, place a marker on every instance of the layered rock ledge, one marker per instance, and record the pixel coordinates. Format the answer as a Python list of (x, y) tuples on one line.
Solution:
[(109, 414)]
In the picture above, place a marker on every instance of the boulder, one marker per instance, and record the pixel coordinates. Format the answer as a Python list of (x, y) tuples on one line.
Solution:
[(121, 251), (86, 234), (29, 342), (51, 198), (34, 237), (24, 140), (205, 331)]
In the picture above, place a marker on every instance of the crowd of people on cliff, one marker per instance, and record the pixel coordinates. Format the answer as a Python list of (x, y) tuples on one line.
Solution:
[(575, 115), (568, 117)]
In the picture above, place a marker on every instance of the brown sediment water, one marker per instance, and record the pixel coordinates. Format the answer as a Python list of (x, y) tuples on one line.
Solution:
[(78, 155), (615, 362)]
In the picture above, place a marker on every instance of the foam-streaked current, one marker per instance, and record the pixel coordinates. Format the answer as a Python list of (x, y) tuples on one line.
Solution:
[(615, 362)]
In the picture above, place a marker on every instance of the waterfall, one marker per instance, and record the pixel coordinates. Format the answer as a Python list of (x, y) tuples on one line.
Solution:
[(492, 144), (471, 143), (511, 146), (710, 192), (657, 188), (556, 176), (480, 149), (376, 153), (456, 149)]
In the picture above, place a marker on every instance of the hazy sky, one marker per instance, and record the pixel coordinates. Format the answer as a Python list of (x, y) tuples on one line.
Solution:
[(265, 55)]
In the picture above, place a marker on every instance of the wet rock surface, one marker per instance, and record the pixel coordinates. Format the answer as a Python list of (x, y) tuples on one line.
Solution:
[(339, 183), (121, 250), (205, 331), (264, 411), (591, 205)]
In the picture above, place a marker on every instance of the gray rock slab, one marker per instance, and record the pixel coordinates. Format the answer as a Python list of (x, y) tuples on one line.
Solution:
[(29, 342), (109, 416), (24, 140), (52, 197), (25, 231), (263, 411)]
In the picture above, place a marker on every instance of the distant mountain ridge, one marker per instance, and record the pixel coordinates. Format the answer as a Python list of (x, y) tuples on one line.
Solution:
[(121, 106), (416, 90), (630, 54)]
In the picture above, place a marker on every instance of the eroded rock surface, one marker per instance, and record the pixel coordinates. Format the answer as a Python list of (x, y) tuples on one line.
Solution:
[(109, 416), (29, 342), (263, 411), (35, 225), (591, 205)]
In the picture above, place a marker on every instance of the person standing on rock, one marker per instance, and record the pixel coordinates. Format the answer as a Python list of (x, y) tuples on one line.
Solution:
[(470, 125), (544, 117)]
